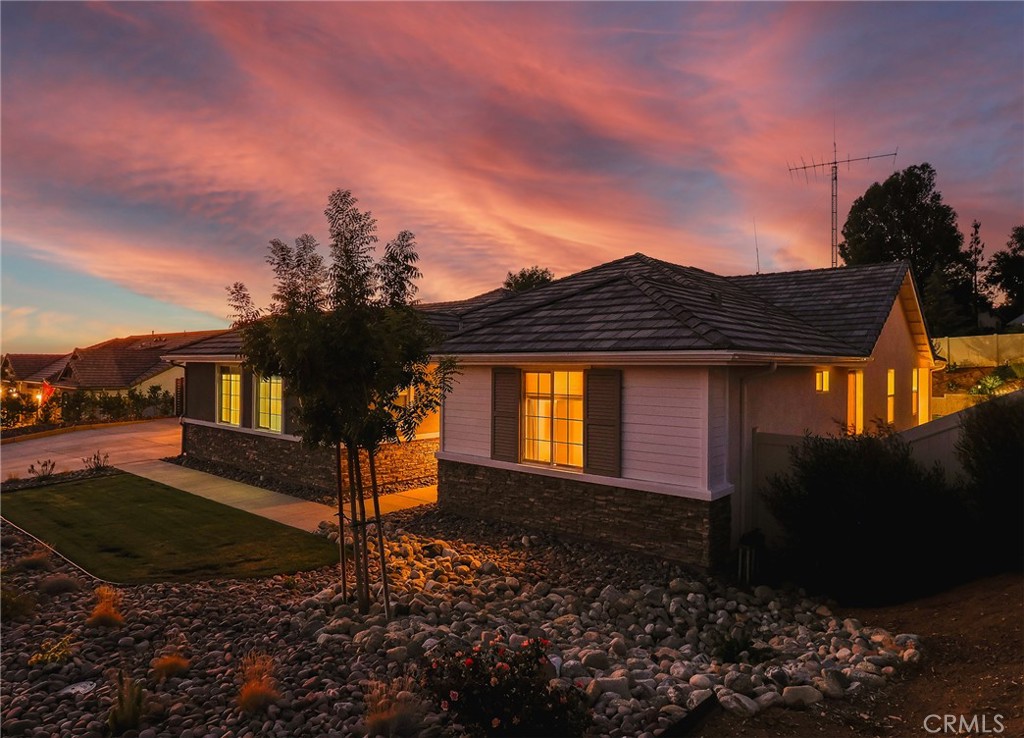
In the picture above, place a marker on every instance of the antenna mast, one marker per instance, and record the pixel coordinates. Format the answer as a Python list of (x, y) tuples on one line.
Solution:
[(834, 166)]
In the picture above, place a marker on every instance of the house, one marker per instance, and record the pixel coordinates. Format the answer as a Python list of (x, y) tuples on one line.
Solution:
[(113, 366), (234, 418), (25, 373), (620, 404)]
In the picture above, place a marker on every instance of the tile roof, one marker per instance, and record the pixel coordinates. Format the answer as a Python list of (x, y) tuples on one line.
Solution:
[(19, 367), (124, 362), (226, 343), (642, 304)]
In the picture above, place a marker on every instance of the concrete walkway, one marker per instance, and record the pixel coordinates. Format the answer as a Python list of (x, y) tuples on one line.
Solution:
[(273, 505)]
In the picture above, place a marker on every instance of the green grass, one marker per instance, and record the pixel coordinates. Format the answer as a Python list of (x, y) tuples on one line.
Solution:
[(130, 530)]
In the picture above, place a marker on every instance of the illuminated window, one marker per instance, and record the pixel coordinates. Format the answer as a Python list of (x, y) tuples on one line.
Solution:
[(914, 394), (821, 380), (553, 418), (269, 404), (890, 396), (230, 395), (855, 402)]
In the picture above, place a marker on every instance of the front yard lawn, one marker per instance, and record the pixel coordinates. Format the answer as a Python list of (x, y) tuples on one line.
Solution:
[(130, 530)]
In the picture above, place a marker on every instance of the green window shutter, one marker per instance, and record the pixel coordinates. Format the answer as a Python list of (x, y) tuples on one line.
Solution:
[(602, 422), (506, 391)]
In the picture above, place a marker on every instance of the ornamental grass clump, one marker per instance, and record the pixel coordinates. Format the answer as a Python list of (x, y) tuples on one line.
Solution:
[(497, 690), (259, 688), (106, 613), (393, 709), (128, 707)]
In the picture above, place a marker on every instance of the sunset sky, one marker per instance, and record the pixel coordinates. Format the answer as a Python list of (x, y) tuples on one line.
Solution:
[(151, 150)]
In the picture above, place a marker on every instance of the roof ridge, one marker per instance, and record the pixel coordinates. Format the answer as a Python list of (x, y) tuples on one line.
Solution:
[(672, 307), (872, 265), (671, 269), (529, 306)]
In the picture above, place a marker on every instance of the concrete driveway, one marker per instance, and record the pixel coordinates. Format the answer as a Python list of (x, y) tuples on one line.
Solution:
[(153, 439)]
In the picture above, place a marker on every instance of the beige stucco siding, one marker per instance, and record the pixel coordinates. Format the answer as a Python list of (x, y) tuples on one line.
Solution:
[(895, 350), (664, 425)]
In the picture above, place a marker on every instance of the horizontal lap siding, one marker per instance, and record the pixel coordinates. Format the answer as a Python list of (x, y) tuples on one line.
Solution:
[(467, 414), (664, 425)]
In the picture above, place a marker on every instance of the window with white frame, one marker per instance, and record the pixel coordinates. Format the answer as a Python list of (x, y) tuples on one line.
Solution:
[(269, 405), (553, 418), (229, 395)]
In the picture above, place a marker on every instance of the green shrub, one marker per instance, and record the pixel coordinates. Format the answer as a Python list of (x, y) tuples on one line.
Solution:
[(59, 584), (17, 409), (15, 604), (127, 708), (36, 561), (862, 519), (989, 448), (495, 690)]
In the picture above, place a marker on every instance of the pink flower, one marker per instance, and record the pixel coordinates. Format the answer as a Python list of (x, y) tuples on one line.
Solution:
[(444, 705), (495, 723), (454, 695), (469, 662)]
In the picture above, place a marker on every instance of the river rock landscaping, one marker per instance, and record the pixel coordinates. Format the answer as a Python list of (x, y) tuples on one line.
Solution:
[(646, 640)]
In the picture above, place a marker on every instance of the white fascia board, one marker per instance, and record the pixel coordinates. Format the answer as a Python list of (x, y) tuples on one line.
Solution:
[(654, 358)]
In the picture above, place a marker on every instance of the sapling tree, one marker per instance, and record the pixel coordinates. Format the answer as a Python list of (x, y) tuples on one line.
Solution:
[(353, 351)]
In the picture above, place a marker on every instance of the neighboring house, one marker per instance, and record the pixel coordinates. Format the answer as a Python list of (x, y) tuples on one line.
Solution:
[(113, 366), (25, 373), (619, 404)]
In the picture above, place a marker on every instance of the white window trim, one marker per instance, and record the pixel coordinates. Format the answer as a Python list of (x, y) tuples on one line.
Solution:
[(220, 395), (258, 382)]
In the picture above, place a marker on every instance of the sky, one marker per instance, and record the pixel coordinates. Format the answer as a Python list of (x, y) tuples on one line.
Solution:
[(150, 151)]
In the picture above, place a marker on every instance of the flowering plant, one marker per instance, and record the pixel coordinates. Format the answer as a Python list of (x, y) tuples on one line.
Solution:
[(497, 690)]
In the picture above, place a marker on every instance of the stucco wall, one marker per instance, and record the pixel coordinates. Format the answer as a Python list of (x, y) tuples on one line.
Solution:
[(695, 532)]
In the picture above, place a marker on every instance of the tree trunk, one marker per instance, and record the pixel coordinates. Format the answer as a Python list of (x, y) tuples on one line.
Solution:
[(380, 534), (341, 524), (358, 549), (362, 527)]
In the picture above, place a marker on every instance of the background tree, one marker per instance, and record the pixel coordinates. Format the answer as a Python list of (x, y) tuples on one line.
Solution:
[(347, 341), (905, 218), (1005, 272), (527, 279)]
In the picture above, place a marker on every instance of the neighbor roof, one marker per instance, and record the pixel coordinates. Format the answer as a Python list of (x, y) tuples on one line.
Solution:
[(124, 362), (19, 367), (642, 304)]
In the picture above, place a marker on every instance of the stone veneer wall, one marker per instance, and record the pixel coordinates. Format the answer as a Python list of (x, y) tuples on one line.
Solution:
[(399, 466), (690, 531)]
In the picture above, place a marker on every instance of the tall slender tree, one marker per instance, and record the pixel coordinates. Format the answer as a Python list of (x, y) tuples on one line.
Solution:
[(348, 342), (1005, 273)]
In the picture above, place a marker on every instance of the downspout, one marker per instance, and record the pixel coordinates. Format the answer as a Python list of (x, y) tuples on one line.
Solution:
[(746, 455)]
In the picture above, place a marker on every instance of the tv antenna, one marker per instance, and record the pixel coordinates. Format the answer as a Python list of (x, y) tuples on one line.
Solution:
[(757, 251), (834, 166)]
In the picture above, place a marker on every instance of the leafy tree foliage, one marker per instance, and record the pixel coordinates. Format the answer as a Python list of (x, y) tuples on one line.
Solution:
[(349, 344), (905, 218), (527, 278), (1005, 273)]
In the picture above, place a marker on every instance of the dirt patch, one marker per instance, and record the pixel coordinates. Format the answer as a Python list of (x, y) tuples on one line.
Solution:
[(973, 666)]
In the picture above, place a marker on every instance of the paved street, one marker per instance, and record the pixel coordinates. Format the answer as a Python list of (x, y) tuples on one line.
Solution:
[(153, 439)]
